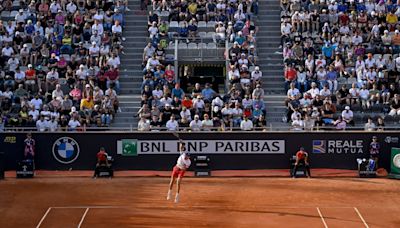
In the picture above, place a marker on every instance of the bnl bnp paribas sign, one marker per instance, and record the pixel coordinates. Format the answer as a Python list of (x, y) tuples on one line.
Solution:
[(133, 147)]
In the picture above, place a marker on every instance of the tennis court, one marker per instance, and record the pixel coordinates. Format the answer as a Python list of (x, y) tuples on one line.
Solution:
[(205, 202)]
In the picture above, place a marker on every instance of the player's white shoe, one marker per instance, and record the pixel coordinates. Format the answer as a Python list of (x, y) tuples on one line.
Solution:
[(177, 198), (169, 195)]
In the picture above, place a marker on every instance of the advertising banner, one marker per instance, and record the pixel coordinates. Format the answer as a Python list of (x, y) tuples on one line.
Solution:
[(395, 162), (129, 147), (227, 150)]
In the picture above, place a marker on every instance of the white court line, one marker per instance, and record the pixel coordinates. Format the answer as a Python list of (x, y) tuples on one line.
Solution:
[(322, 218), (193, 206), (362, 219), (83, 218), (92, 207), (44, 216)]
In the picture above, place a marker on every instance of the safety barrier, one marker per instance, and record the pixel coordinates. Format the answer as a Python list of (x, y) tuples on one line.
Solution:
[(227, 150)]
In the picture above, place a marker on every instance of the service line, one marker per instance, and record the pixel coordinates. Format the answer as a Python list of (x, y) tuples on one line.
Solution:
[(44, 217)]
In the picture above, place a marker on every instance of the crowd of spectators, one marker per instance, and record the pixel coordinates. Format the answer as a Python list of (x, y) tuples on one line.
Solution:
[(340, 57), (60, 63), (170, 103)]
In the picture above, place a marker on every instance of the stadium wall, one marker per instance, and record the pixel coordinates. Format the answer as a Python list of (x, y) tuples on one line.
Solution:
[(234, 150)]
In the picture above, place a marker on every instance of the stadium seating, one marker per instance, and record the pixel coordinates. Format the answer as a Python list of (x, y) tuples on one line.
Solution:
[(346, 37), (77, 48), (200, 35)]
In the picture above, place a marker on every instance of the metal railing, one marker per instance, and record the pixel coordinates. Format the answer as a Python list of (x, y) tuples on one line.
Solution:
[(131, 128), (198, 51)]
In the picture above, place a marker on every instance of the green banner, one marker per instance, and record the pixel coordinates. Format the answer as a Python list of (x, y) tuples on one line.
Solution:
[(129, 147), (395, 161)]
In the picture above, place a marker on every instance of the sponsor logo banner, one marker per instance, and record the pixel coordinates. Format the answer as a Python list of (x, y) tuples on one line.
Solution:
[(337, 146), (391, 139), (201, 146), (127, 147), (10, 139), (319, 147), (66, 150)]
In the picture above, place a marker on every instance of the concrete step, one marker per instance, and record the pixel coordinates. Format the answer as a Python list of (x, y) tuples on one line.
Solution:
[(271, 58), (130, 127), (136, 30), (279, 83), (131, 81), (125, 97), (132, 85), (134, 39), (130, 91), (274, 97), (131, 75), (132, 110), (124, 114), (123, 119), (279, 103), (272, 44), (134, 55)]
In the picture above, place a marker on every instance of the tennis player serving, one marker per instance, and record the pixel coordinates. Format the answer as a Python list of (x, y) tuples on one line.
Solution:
[(182, 164)]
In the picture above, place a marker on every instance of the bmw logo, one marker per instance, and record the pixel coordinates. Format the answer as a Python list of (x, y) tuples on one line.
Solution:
[(65, 150)]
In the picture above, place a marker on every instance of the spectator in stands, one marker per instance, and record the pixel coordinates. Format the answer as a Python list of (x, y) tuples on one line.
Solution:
[(246, 124), (380, 126), (340, 123), (290, 76), (143, 124), (207, 123), (342, 96), (293, 93), (369, 125), (347, 115), (172, 124), (196, 124), (395, 106)]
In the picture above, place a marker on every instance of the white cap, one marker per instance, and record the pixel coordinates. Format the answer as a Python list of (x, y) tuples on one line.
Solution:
[(397, 31), (257, 68), (347, 107), (29, 65), (94, 42)]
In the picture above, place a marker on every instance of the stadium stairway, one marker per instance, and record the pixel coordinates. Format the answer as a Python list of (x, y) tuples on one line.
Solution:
[(271, 61), (135, 33)]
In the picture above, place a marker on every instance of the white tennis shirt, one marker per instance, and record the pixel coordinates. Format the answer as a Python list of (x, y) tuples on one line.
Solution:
[(183, 163)]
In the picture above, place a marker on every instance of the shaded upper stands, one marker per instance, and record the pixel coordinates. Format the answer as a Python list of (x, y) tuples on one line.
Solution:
[(197, 29), (348, 52), (60, 63)]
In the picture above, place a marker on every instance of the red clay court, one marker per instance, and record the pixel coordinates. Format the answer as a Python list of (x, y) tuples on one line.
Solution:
[(71, 201)]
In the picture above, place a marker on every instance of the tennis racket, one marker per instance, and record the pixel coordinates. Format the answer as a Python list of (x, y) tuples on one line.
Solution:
[(175, 133)]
